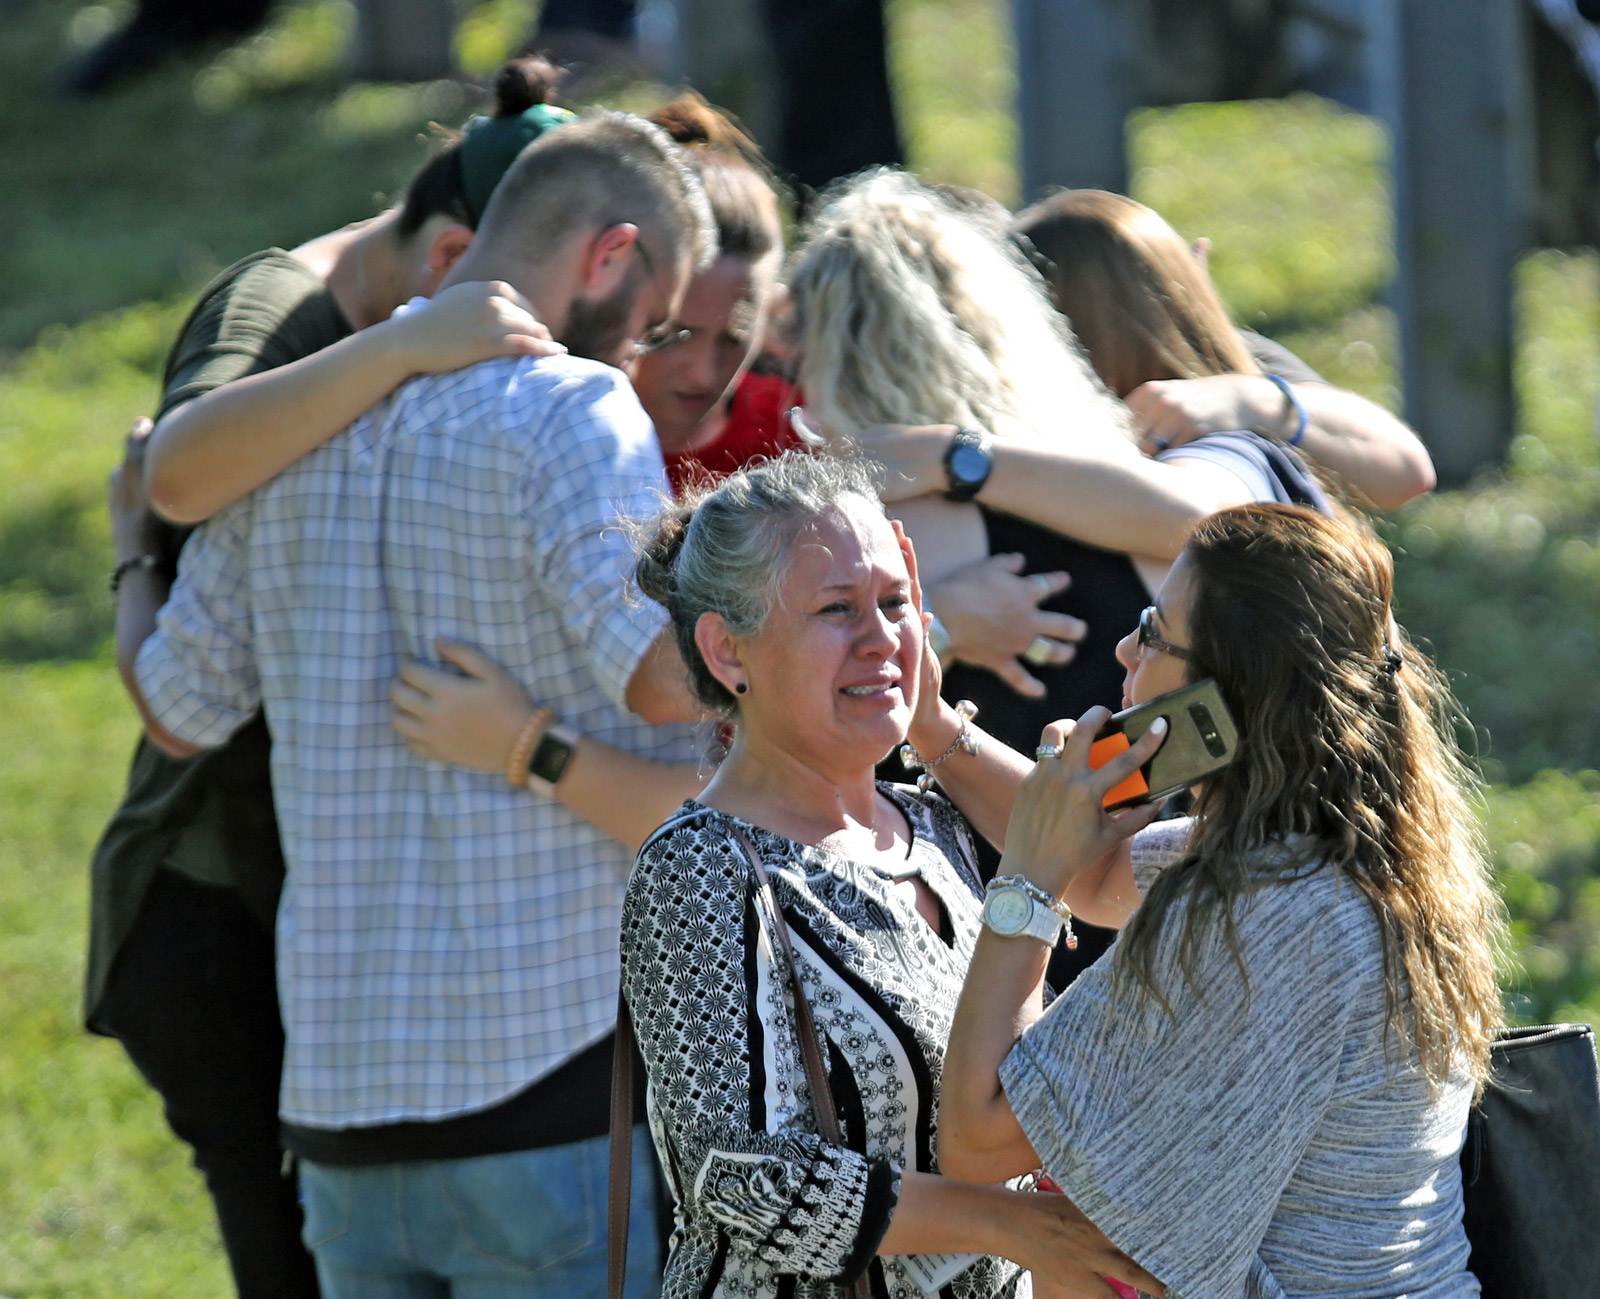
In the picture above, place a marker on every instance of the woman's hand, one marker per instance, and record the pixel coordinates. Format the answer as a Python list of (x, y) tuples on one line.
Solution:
[(467, 323), (1055, 1242), (932, 717), (994, 620), (471, 720), (135, 528), (912, 457), (1059, 826)]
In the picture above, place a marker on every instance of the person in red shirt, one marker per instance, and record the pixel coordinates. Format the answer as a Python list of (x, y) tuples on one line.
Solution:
[(711, 414)]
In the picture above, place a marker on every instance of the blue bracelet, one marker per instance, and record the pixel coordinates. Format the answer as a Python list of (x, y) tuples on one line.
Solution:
[(1294, 400)]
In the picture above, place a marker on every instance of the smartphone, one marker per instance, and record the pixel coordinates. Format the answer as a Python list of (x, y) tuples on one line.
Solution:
[(1201, 741)]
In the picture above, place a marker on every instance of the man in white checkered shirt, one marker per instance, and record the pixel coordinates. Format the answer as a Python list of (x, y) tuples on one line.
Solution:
[(447, 946)]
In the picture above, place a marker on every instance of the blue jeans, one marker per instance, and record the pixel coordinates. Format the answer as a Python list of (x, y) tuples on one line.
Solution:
[(525, 1225)]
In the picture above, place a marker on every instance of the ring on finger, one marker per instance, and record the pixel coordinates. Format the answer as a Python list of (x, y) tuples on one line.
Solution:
[(1047, 751), (1041, 651), (1042, 586)]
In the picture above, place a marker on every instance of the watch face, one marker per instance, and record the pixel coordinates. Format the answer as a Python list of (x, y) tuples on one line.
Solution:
[(969, 463), (1007, 911), (550, 758)]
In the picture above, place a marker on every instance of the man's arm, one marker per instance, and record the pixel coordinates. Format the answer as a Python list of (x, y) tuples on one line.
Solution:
[(195, 675), (658, 690), (599, 470)]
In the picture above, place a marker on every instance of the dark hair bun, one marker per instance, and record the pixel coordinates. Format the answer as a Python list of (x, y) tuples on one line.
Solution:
[(658, 554), (522, 83)]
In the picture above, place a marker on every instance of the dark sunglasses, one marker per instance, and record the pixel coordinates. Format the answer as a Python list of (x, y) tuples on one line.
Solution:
[(1148, 636)]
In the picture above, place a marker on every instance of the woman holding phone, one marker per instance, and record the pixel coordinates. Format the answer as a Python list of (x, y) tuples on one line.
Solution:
[(1263, 1088)]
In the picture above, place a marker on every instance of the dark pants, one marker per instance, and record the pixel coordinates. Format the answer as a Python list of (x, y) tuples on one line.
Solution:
[(193, 998), (835, 112), (830, 63)]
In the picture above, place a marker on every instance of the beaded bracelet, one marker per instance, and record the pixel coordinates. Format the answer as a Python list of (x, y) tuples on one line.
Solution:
[(966, 742), (527, 741)]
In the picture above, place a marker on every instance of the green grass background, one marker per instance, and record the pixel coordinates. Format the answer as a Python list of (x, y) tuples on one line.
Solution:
[(115, 214)]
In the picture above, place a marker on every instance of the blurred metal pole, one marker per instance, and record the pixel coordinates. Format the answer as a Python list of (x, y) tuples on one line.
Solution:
[(1450, 80), (403, 40), (1077, 81)]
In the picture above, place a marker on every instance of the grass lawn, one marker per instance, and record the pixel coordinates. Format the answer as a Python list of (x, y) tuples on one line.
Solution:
[(120, 210)]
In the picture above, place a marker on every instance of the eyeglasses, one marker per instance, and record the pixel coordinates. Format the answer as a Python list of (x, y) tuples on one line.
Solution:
[(1148, 636), (663, 335), (660, 338)]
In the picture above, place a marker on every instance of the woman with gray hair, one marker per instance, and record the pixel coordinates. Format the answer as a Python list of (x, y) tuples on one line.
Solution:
[(793, 599)]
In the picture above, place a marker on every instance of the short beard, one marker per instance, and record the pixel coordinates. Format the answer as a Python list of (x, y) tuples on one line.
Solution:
[(598, 330)]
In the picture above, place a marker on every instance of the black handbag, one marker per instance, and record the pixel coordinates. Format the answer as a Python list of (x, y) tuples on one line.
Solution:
[(1530, 1167)]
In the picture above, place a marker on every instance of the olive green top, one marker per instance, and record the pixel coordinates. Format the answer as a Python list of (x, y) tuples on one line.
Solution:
[(209, 817)]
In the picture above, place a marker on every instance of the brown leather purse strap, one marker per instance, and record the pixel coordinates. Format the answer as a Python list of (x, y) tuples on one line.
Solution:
[(619, 1196), (822, 1105), (805, 1027)]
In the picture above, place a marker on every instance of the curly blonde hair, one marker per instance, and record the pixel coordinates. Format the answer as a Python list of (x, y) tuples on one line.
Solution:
[(909, 309)]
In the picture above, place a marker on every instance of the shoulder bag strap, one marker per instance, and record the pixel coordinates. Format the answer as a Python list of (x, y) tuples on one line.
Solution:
[(805, 1027), (822, 1105), (620, 1193)]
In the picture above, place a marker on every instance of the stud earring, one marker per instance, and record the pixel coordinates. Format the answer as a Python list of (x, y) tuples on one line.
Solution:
[(742, 688)]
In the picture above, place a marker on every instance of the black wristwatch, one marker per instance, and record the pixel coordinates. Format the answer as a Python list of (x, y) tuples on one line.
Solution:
[(967, 464), (551, 755)]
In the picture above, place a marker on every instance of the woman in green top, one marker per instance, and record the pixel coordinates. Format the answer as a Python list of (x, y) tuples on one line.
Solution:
[(186, 877)]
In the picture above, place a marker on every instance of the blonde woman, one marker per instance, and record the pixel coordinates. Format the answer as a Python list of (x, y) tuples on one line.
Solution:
[(912, 309)]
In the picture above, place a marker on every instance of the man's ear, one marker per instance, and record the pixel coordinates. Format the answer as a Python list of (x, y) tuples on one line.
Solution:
[(445, 250), (720, 652), (605, 263)]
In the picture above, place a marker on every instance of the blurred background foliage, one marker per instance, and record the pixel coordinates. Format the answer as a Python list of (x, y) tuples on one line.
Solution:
[(118, 210)]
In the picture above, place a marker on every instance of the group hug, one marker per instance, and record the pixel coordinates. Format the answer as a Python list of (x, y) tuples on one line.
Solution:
[(585, 576)]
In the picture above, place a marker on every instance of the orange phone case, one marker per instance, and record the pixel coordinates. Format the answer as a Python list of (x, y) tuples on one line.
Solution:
[(1101, 752)]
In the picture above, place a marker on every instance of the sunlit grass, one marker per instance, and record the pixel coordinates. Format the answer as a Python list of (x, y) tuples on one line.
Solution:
[(120, 210)]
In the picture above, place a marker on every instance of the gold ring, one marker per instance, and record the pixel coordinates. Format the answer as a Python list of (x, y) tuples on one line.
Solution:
[(1040, 652)]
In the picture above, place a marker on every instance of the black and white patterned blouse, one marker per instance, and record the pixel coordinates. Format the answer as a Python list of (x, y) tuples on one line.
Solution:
[(765, 1206)]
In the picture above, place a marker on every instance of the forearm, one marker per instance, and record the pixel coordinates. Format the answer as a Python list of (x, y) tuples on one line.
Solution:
[(939, 1215), (982, 785), (623, 794), (658, 691), (1364, 445), (979, 1137), (1117, 500), (221, 446)]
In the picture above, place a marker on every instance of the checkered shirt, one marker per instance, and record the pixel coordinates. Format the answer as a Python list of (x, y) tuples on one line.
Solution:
[(443, 940)]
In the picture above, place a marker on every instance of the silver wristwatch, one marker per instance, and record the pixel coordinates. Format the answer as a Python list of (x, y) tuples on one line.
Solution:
[(1015, 907)]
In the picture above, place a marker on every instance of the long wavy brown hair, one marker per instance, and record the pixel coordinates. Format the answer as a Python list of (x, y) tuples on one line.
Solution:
[(1140, 302), (1347, 749)]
